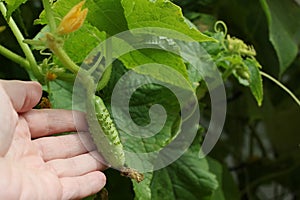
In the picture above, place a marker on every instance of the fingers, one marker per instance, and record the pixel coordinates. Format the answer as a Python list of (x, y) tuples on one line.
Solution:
[(65, 146), (9, 118), (76, 166), (50, 121), (23, 95), (77, 187)]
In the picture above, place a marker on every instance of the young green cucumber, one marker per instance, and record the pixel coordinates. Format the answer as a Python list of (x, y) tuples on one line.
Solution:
[(107, 141)]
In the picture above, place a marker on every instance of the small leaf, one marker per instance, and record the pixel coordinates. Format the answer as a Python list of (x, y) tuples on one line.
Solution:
[(12, 5), (255, 79)]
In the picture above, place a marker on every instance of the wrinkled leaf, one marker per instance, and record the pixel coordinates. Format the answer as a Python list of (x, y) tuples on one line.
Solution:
[(141, 100), (186, 178)]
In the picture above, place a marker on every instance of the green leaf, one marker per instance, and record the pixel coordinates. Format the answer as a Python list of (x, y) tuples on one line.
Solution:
[(106, 15), (141, 100), (80, 43), (284, 29), (12, 5), (256, 85), (227, 189), (186, 178), (160, 13), (140, 103), (61, 94), (77, 45), (155, 56)]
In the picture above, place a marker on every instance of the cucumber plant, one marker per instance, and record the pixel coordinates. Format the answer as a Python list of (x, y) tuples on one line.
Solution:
[(232, 56), (107, 141)]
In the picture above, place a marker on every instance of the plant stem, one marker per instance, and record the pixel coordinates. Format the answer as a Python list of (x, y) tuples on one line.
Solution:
[(282, 86), (14, 57), (54, 45), (49, 15), (26, 49), (57, 49)]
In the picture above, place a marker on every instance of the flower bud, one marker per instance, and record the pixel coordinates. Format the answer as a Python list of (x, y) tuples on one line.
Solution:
[(73, 20)]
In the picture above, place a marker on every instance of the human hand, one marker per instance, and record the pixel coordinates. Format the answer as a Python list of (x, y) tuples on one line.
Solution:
[(47, 167)]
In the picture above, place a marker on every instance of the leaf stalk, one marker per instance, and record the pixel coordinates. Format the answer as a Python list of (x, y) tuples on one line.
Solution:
[(25, 47)]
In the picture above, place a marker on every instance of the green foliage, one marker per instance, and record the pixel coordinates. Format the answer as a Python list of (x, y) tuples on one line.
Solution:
[(236, 58), (227, 189), (13, 5), (160, 13), (255, 79), (284, 31), (250, 132), (172, 181)]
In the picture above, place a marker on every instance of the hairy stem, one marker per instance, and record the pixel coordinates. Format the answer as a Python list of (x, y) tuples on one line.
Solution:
[(54, 45), (14, 57), (26, 49), (49, 15), (282, 86), (57, 49)]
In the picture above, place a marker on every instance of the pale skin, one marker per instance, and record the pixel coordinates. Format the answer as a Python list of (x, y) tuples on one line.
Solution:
[(34, 164)]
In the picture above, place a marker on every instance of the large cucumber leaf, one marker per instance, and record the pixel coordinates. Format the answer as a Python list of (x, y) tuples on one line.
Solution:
[(160, 13), (187, 178)]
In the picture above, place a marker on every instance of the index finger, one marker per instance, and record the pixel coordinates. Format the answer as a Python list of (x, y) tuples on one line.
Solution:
[(24, 95), (46, 122)]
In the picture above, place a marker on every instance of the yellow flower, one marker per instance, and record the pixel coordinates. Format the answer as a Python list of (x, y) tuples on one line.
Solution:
[(73, 20)]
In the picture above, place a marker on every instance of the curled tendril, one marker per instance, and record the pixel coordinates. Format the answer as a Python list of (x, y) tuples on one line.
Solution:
[(220, 26)]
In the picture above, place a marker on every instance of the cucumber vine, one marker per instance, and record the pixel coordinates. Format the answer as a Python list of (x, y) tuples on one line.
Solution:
[(108, 142)]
